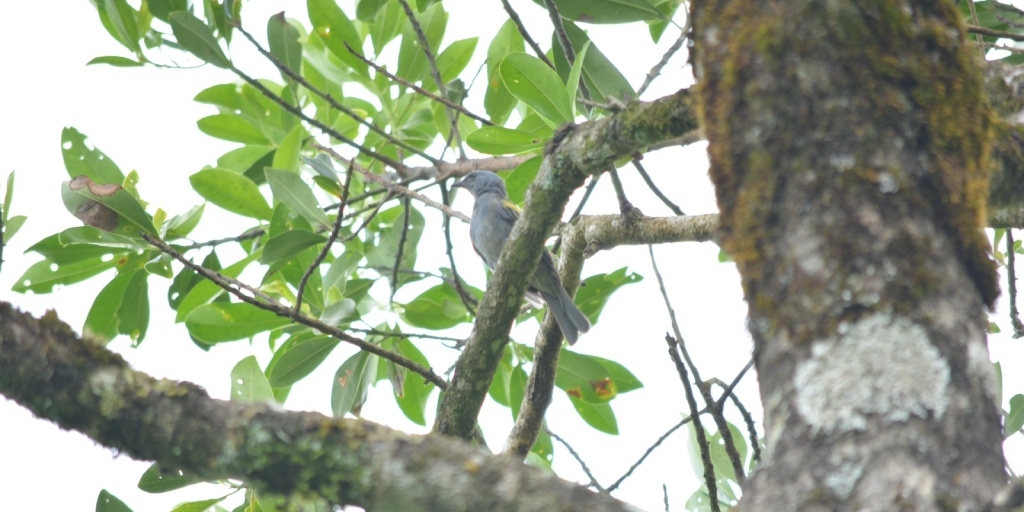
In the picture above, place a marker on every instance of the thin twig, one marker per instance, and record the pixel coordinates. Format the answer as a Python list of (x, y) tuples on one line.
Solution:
[(656, 70), (514, 16), (445, 170), (654, 188), (716, 412), (1011, 278), (434, 72), (566, 44), (736, 380), (248, 235), (377, 332), (419, 90), (664, 494), (330, 99), (393, 187), (583, 465), (625, 207), (327, 246), (297, 112), (994, 33), (286, 312), (464, 296), (974, 18), (702, 440), (647, 453), (401, 248)]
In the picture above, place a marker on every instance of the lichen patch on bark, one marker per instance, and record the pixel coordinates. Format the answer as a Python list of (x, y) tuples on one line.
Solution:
[(882, 367)]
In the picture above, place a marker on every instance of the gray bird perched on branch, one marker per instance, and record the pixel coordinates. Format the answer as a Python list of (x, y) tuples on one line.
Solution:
[(489, 229)]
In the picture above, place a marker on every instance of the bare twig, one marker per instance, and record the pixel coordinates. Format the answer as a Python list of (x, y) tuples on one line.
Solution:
[(626, 208), (401, 248), (702, 440), (514, 16), (434, 72), (327, 246), (716, 412), (664, 494), (419, 90), (445, 170), (1011, 283), (464, 296), (378, 332), (654, 188), (247, 235), (393, 187), (973, 29), (583, 465), (736, 380), (330, 99), (656, 70), (565, 43), (284, 311), (974, 18), (647, 453)]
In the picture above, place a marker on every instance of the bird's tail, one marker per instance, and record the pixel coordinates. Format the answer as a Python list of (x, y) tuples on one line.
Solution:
[(570, 319)]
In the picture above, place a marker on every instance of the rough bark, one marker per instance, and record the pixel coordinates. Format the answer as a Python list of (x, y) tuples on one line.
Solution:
[(79, 385), (848, 144)]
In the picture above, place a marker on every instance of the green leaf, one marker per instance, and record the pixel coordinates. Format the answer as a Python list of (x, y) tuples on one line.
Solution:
[(606, 11), (536, 85), (161, 9), (454, 58), (584, 378), (196, 37), (594, 293), (123, 18), (133, 315), (287, 155), (101, 322), (206, 291), (625, 381), (248, 383), (498, 101), (572, 83), (217, 322), (657, 27), (80, 159), (517, 389), (520, 179), (289, 188), (544, 448), (500, 384), (288, 244), (284, 44), (232, 127), (8, 197), (412, 61), (113, 60), (599, 416), (44, 275), (601, 76), (436, 308), (181, 225), (157, 480), (242, 159), (300, 360), (197, 506), (1015, 418), (366, 10), (336, 30), (412, 398), (80, 196), (12, 226), (107, 502), (351, 383), (232, 192), (495, 140), (387, 26), (341, 312)]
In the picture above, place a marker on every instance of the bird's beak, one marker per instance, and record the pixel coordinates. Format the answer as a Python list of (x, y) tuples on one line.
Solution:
[(459, 184)]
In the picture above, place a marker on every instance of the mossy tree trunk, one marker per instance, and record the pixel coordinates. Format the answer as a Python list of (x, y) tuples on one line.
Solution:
[(848, 144)]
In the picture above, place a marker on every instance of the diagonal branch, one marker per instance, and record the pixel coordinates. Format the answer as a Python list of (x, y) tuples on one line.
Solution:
[(79, 385)]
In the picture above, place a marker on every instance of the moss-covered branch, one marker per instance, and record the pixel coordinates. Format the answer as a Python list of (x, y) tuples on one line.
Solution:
[(573, 153), (82, 386)]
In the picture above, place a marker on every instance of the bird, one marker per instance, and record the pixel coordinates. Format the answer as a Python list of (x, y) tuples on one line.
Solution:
[(489, 229)]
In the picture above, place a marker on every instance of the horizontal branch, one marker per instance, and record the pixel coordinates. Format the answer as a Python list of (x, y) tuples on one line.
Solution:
[(443, 170), (82, 386)]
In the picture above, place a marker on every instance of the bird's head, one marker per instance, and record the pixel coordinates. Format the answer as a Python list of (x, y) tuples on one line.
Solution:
[(482, 182)]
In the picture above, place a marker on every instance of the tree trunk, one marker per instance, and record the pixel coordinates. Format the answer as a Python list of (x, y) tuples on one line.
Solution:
[(848, 144)]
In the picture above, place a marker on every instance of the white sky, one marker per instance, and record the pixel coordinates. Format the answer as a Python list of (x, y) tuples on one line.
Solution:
[(144, 119)]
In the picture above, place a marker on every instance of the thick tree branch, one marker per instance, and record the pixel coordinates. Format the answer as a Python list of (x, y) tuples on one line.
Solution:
[(573, 153), (82, 386)]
